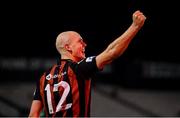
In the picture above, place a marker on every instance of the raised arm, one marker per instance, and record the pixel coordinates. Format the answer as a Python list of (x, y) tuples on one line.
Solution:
[(118, 46)]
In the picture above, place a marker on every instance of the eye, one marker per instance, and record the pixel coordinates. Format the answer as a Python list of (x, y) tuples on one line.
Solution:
[(82, 42)]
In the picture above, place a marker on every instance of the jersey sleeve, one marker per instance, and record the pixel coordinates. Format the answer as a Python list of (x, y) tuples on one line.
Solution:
[(87, 67), (37, 95)]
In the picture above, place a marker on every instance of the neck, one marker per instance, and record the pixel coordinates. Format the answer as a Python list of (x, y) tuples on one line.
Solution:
[(69, 57)]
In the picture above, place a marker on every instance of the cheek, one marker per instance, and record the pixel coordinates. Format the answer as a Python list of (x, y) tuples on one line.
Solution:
[(76, 50), (79, 51)]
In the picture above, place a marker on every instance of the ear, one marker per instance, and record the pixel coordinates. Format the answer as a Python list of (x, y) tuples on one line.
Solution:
[(68, 48)]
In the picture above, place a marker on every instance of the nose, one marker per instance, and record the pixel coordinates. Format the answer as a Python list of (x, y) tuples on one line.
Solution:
[(84, 44)]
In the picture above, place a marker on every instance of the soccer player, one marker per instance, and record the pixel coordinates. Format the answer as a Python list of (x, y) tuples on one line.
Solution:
[(65, 89)]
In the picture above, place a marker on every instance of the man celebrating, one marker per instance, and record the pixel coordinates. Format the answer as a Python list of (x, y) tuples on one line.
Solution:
[(64, 90)]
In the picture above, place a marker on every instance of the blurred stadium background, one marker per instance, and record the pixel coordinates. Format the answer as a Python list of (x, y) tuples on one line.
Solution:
[(144, 81)]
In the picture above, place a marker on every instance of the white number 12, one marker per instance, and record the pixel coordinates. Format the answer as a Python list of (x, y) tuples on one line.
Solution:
[(66, 87)]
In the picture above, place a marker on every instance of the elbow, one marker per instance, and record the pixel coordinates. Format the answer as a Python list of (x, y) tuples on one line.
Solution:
[(107, 57), (113, 54)]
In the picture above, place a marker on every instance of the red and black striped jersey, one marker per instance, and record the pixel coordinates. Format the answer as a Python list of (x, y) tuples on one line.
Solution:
[(65, 89)]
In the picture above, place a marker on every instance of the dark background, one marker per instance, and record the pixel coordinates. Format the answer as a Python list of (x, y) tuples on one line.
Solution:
[(33, 26), (28, 30)]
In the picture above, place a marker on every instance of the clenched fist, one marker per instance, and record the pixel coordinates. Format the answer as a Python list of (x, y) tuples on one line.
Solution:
[(138, 18)]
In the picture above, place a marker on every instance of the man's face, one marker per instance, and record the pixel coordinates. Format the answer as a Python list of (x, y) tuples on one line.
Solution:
[(77, 47)]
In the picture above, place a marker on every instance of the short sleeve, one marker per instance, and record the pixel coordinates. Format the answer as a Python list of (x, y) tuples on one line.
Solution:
[(87, 67), (37, 95)]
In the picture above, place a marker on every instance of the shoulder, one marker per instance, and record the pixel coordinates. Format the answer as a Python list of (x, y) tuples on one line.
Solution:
[(87, 65), (87, 60), (46, 73)]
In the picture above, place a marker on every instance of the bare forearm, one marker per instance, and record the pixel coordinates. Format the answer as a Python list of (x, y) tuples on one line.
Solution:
[(118, 46)]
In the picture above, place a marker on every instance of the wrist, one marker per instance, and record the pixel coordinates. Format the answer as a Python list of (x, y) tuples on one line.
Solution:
[(135, 26)]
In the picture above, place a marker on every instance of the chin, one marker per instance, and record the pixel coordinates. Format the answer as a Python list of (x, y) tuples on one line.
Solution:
[(84, 56)]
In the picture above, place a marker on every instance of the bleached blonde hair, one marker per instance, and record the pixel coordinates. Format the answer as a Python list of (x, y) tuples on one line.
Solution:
[(63, 39)]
